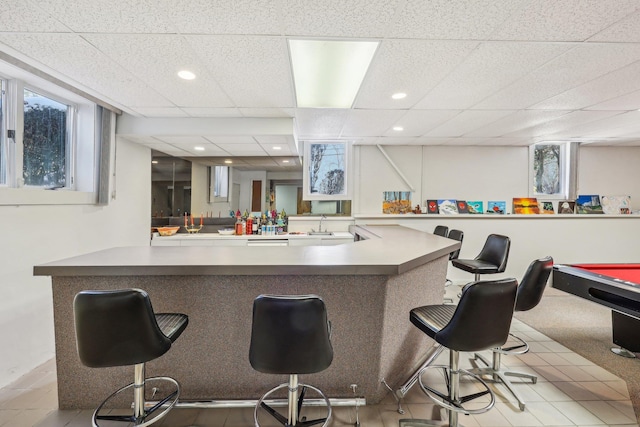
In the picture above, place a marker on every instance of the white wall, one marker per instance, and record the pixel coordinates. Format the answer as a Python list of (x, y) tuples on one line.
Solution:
[(34, 235), (501, 173), (439, 172)]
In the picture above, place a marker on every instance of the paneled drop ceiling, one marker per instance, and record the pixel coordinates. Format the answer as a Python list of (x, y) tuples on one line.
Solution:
[(476, 72)]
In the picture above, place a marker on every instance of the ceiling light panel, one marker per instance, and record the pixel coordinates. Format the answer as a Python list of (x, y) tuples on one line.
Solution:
[(328, 73)]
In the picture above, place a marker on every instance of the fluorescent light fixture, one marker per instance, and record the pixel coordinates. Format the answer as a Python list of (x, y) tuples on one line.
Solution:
[(328, 74), (398, 128), (285, 161), (277, 147), (155, 162), (186, 74), (198, 148), (399, 95), (228, 162)]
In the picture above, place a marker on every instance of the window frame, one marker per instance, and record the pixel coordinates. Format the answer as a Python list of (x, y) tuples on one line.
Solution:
[(307, 194), (83, 143), (70, 139), (213, 184), (565, 172)]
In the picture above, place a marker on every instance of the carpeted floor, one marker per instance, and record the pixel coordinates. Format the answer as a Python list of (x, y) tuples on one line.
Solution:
[(585, 328)]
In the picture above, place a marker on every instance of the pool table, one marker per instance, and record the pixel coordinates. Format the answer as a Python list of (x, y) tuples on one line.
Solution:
[(616, 286)]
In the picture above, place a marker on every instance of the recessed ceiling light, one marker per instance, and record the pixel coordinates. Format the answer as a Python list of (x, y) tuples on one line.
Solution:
[(285, 161), (399, 95), (328, 73), (186, 74), (198, 148), (398, 128), (155, 162), (277, 147), (228, 162)]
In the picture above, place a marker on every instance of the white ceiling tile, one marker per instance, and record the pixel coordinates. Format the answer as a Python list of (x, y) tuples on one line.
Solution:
[(477, 72), (320, 122), (112, 16), (225, 17), (184, 140), (230, 140), (160, 112), (157, 60), (466, 122), (630, 101), (452, 19), (255, 71), (488, 69), (267, 112), (617, 125), (338, 18), (566, 121), (211, 112), (609, 86), (420, 122), (241, 147), (369, 122), (514, 122), (572, 69), (566, 20), (625, 30), (410, 66), (85, 67), (22, 15)]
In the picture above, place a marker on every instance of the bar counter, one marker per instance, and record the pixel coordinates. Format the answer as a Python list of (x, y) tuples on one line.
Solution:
[(369, 287)]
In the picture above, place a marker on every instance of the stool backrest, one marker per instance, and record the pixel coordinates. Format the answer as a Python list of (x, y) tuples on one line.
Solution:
[(441, 230), (290, 334), (117, 328), (496, 251), (533, 283), (482, 318), (455, 235)]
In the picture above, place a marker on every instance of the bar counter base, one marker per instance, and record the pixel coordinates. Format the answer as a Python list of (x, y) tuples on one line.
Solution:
[(372, 337)]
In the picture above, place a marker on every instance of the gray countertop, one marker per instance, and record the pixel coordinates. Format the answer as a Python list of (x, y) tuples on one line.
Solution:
[(390, 250)]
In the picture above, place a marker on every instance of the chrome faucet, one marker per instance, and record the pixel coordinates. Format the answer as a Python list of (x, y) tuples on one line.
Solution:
[(320, 227)]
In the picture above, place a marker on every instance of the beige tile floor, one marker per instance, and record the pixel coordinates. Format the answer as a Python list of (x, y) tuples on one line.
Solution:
[(571, 391)]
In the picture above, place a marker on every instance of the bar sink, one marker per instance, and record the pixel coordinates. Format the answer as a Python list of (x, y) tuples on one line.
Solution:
[(320, 233)]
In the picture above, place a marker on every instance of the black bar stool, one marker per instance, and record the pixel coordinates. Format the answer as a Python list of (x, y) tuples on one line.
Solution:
[(119, 328), (480, 321), (529, 294), (290, 335), (441, 230), (491, 259)]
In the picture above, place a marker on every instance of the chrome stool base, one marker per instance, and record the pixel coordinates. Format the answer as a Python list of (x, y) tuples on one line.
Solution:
[(456, 404), (497, 374), (295, 404), (141, 414)]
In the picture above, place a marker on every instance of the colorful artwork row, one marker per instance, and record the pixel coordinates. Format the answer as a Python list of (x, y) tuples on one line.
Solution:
[(395, 202)]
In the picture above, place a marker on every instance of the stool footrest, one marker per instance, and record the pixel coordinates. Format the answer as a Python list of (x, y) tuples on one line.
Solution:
[(165, 404), (445, 400), (299, 421)]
